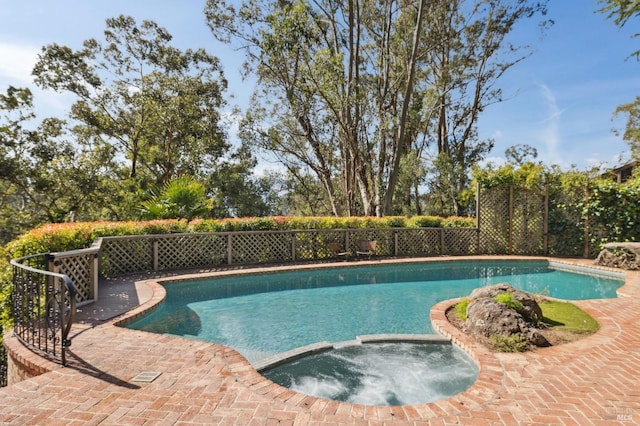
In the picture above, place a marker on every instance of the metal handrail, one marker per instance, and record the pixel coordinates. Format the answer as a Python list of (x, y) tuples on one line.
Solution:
[(44, 307)]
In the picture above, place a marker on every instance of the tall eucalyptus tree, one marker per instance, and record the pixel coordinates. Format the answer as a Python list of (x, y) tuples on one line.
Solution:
[(349, 88)]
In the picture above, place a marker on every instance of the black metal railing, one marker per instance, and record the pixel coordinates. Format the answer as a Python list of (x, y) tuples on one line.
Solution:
[(44, 305), (4, 373)]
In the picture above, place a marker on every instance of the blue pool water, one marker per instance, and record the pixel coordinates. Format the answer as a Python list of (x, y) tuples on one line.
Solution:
[(262, 315)]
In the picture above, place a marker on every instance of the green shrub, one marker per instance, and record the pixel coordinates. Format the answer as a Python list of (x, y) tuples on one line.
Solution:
[(508, 300), (424, 222), (512, 343), (459, 222)]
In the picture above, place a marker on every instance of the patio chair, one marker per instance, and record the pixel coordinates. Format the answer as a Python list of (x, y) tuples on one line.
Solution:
[(336, 250), (367, 248)]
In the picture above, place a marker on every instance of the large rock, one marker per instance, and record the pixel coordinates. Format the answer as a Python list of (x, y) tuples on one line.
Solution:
[(486, 317), (620, 255), (531, 311)]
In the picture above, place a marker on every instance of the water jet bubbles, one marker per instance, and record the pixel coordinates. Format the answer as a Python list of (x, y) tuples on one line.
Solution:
[(381, 373)]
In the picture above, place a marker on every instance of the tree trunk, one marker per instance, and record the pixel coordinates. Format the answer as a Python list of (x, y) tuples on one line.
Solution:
[(401, 142)]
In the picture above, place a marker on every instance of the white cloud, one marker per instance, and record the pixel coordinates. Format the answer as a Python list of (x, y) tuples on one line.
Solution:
[(550, 133), (17, 62)]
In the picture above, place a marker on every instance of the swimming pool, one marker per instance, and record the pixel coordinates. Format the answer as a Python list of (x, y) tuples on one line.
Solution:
[(283, 323), (266, 314)]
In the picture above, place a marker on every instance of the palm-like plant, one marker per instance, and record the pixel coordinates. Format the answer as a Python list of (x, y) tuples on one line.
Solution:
[(181, 198)]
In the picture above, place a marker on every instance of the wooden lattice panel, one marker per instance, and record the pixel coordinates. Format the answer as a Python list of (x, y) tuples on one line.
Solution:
[(79, 268), (126, 255), (318, 244), (528, 222), (384, 239), (255, 247), (494, 220), (419, 242), (191, 250), (512, 221), (459, 241)]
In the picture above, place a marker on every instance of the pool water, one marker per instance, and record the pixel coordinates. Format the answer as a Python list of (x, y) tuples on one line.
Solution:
[(263, 315)]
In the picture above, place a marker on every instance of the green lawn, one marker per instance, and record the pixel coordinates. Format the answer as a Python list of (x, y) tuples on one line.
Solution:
[(568, 316)]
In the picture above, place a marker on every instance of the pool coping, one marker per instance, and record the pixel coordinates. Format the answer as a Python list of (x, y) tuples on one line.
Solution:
[(324, 346), (492, 389)]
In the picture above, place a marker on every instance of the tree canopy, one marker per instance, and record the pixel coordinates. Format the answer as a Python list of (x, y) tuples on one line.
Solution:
[(153, 104), (144, 113), (621, 11), (348, 90)]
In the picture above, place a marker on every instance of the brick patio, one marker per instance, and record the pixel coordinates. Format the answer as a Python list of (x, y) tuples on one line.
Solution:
[(594, 381)]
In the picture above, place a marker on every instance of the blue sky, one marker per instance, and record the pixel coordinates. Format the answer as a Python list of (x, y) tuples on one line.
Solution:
[(560, 100)]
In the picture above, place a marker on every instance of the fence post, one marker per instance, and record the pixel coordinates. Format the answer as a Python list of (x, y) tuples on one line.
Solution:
[(293, 246), (478, 208), (587, 231), (395, 243), (229, 249), (346, 241), (156, 262), (545, 225), (94, 275), (510, 225)]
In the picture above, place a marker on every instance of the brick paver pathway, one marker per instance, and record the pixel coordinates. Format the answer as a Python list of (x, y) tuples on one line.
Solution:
[(594, 381)]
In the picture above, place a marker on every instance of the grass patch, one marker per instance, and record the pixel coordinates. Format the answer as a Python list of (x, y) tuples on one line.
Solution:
[(508, 300), (460, 309), (567, 316)]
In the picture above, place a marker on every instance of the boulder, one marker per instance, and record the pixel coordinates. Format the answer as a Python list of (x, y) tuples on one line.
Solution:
[(625, 255), (486, 317), (531, 311)]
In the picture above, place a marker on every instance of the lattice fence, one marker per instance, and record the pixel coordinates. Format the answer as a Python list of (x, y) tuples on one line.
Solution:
[(420, 242), (494, 220), (460, 241), (512, 221), (261, 247), (528, 222), (317, 245), (81, 267), (125, 255), (190, 251)]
